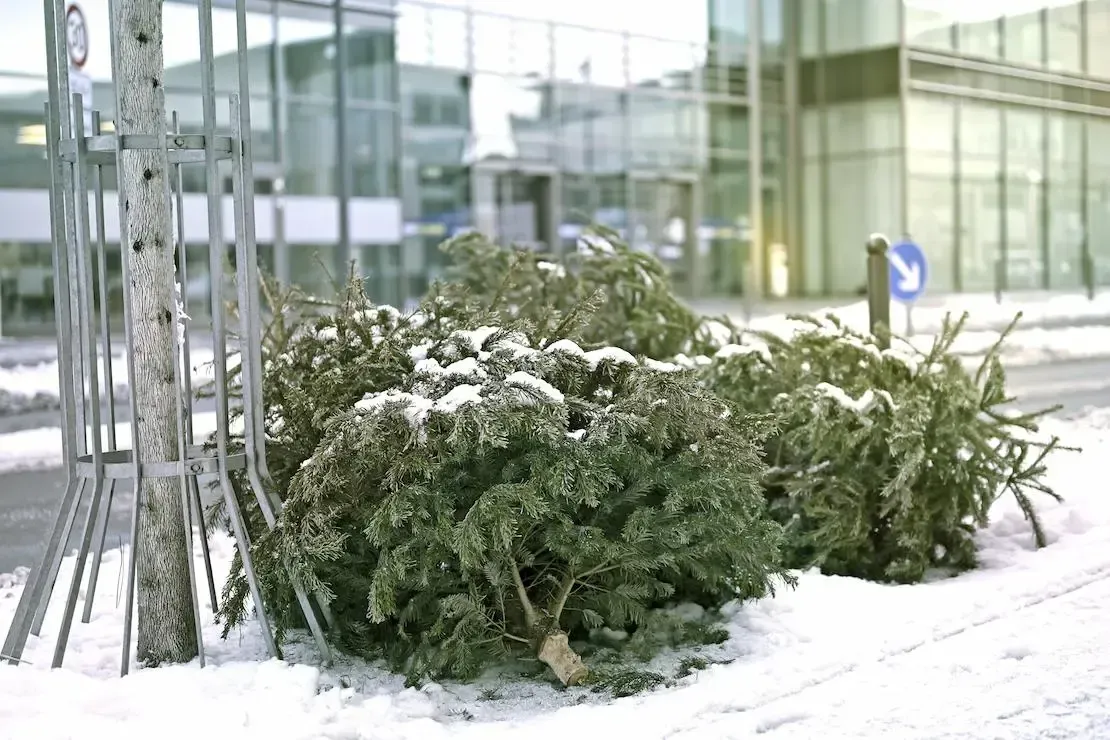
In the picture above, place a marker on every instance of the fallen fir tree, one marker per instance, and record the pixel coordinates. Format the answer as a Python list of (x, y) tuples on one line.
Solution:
[(499, 499), (636, 307), (886, 461)]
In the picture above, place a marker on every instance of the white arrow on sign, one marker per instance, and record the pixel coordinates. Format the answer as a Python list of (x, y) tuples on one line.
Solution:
[(909, 278)]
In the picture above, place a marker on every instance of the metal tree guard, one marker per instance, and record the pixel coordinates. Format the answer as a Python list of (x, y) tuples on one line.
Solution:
[(96, 461)]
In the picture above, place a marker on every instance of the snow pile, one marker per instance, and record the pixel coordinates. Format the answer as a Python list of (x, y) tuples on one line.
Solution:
[(985, 310), (1016, 649)]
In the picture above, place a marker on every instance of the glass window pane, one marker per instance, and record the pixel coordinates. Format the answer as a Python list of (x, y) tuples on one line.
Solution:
[(930, 25), (1065, 200), (307, 41), (1022, 37), (1098, 197), (371, 60), (531, 50), (1098, 31), (866, 126), (310, 149), (596, 57), (670, 20), (29, 55), (980, 37), (868, 196), (1025, 176), (1065, 42), (662, 64), (431, 36), (980, 155), (664, 131), (182, 48), (22, 134), (509, 117), (372, 152), (932, 189), (851, 25)]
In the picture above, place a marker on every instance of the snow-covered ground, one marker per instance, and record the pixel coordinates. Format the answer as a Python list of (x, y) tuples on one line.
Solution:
[(985, 312), (35, 387), (1017, 649)]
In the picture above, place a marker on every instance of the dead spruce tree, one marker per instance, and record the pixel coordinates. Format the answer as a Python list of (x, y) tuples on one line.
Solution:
[(166, 631)]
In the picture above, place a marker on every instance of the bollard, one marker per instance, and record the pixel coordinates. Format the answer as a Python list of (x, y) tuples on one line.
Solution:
[(878, 287)]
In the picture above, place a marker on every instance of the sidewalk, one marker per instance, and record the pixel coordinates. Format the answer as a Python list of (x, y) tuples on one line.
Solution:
[(1040, 310)]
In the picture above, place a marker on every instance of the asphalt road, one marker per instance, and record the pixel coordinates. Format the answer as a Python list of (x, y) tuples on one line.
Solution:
[(29, 500)]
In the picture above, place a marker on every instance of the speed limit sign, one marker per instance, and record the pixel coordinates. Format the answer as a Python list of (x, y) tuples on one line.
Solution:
[(77, 36)]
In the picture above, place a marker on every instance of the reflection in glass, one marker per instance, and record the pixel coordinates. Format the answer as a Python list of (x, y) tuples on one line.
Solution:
[(663, 64), (929, 27), (665, 132), (371, 58), (431, 36), (1098, 30), (372, 152), (310, 266), (596, 57), (865, 197), (980, 194), (1064, 38), (307, 43), (726, 204), (662, 216), (310, 148), (1025, 186), (1023, 38), (509, 46), (981, 38), (510, 118), (382, 272), (514, 208), (852, 25), (190, 113), (22, 134), (1098, 196), (1065, 200), (182, 49)]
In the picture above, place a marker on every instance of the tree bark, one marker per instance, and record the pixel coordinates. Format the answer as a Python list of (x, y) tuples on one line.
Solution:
[(166, 631)]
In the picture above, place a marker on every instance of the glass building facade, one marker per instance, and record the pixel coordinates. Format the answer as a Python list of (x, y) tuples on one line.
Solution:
[(751, 144)]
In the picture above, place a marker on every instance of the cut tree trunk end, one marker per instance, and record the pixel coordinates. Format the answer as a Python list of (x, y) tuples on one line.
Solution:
[(556, 652)]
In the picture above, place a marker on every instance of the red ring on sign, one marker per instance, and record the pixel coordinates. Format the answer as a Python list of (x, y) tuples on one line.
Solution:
[(75, 15)]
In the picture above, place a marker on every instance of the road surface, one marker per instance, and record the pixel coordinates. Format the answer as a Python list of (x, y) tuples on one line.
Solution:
[(29, 500)]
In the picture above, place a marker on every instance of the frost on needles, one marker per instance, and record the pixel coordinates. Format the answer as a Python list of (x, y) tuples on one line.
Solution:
[(504, 499)]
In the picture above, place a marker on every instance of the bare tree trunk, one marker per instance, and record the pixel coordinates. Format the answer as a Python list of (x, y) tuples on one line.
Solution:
[(166, 631)]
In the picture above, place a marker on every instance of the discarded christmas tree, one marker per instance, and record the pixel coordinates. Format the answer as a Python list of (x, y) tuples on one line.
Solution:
[(887, 461), (503, 500), (637, 308)]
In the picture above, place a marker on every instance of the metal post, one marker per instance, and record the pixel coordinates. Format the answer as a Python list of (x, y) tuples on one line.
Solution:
[(76, 162), (878, 288), (342, 162)]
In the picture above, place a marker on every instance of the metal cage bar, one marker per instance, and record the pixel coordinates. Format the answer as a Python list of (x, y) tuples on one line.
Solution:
[(96, 459)]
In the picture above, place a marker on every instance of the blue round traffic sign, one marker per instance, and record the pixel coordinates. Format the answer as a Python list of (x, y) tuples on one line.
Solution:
[(909, 271)]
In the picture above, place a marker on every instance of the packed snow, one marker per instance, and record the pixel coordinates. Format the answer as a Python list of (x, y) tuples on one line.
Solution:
[(1016, 649)]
